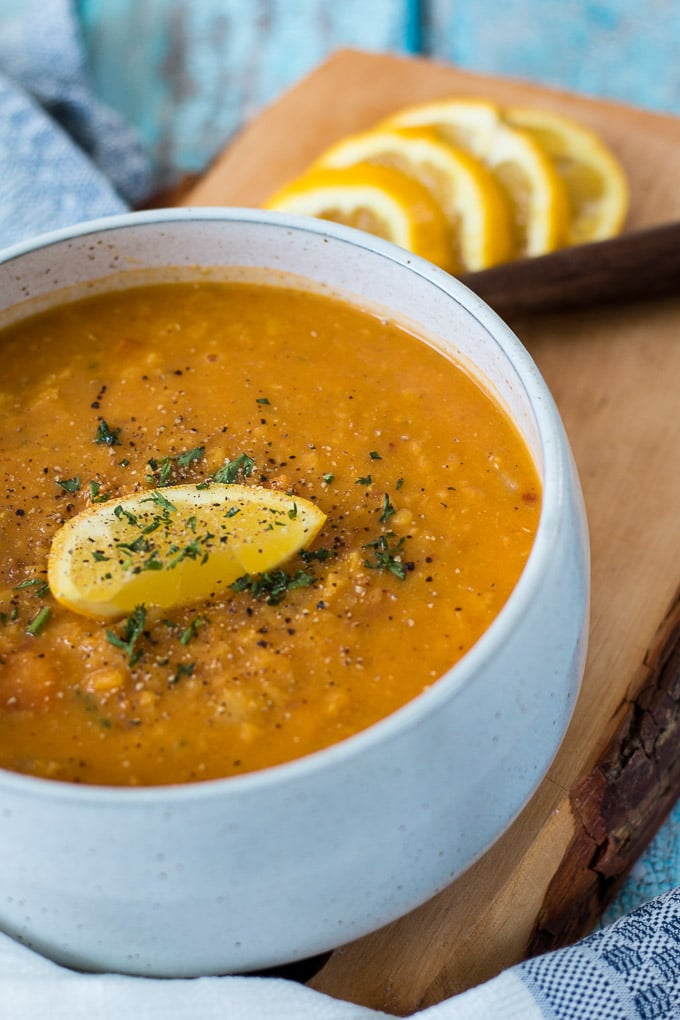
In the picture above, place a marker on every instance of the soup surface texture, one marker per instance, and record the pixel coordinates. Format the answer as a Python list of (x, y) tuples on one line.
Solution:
[(432, 503)]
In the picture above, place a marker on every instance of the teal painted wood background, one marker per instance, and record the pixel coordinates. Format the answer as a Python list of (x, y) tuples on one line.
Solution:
[(188, 73)]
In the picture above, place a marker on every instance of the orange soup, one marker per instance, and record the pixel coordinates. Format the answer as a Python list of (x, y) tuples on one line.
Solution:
[(430, 495)]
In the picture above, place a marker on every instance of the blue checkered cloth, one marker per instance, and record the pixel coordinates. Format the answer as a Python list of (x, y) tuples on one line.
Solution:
[(628, 971), (64, 156)]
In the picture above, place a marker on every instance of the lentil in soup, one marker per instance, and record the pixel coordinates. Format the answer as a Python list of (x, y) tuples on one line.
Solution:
[(432, 503)]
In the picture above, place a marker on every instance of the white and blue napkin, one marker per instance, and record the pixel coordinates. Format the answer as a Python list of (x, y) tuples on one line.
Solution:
[(628, 971), (66, 158)]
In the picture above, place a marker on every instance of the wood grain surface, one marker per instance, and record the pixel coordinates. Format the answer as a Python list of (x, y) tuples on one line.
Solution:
[(639, 265), (614, 373)]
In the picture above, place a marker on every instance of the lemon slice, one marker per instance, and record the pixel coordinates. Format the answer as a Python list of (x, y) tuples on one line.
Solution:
[(595, 181), (536, 192), (467, 192), (173, 546), (378, 199)]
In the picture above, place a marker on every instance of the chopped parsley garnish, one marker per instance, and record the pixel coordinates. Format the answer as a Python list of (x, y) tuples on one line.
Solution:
[(387, 557), (134, 627), (293, 512), (261, 400), (107, 435), (183, 669), (159, 499), (232, 511), (69, 484), (374, 455), (185, 459), (192, 551), (328, 477), (364, 480), (387, 510), (121, 513), (153, 562), (242, 465), (41, 587), (400, 482), (95, 497), (39, 622), (321, 555), (162, 469), (140, 544), (272, 585), (192, 630), (99, 557)]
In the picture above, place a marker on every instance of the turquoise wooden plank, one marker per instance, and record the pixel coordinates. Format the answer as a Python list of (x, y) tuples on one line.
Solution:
[(621, 49), (413, 28), (657, 870), (188, 74)]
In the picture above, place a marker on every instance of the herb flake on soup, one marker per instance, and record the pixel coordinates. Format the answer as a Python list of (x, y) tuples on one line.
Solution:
[(431, 503)]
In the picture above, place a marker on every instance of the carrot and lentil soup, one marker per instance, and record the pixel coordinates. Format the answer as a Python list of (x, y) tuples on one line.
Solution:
[(430, 496)]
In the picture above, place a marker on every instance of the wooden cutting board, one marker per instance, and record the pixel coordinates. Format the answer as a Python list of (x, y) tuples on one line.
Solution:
[(615, 374)]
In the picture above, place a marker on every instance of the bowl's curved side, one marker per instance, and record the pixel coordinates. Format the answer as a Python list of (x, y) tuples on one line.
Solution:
[(280, 871), (242, 874)]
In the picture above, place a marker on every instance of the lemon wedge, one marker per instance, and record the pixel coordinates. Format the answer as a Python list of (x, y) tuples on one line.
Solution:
[(467, 192), (378, 199), (174, 546), (594, 179), (535, 191)]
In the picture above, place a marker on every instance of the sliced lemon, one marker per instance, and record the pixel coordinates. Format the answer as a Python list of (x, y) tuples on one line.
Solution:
[(536, 192), (595, 181), (467, 192), (174, 546), (378, 199)]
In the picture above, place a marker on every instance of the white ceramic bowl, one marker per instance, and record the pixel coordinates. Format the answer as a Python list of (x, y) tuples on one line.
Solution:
[(249, 872)]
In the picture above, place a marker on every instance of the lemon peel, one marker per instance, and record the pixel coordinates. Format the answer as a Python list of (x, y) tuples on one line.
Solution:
[(467, 192), (379, 199), (594, 179), (534, 189)]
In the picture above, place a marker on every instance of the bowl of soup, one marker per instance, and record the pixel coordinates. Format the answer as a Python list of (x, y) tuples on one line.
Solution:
[(208, 769)]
